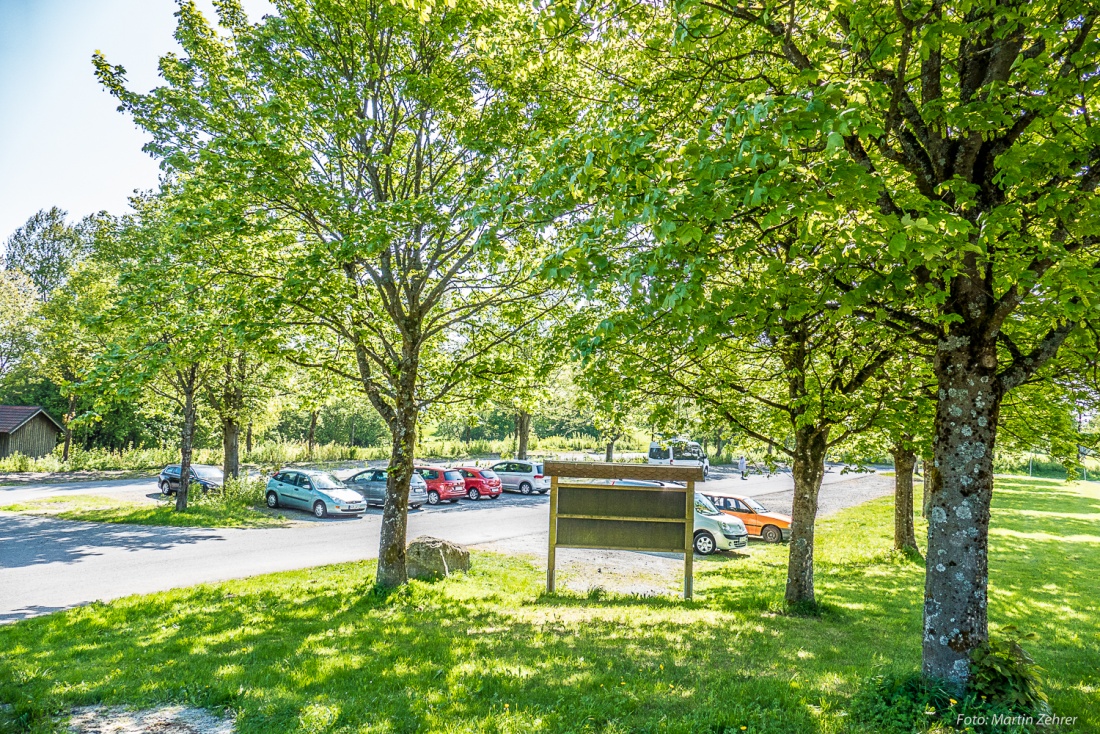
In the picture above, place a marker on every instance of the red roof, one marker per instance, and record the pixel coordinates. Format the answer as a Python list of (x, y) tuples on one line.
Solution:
[(13, 417)]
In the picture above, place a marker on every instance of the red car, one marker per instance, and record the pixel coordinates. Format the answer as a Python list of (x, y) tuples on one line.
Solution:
[(480, 482), (443, 484)]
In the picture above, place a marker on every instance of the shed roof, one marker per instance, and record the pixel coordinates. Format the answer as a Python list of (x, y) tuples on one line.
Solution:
[(14, 417)]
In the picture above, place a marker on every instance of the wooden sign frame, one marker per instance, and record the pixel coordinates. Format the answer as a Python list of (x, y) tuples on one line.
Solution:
[(622, 517)]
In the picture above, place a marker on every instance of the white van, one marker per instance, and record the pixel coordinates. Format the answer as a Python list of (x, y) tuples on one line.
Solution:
[(679, 452), (715, 530)]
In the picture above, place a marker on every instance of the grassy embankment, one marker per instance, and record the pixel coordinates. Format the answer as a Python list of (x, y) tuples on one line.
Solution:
[(319, 651), (200, 514)]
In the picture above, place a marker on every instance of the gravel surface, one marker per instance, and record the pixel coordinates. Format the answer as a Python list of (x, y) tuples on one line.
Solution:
[(163, 720), (656, 574)]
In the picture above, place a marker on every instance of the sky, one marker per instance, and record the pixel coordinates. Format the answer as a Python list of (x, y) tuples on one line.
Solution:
[(62, 140)]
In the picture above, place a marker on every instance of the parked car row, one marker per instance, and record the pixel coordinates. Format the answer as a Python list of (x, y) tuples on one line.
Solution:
[(723, 521), (324, 495)]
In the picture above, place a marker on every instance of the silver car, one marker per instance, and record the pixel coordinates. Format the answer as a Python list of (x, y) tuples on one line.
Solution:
[(316, 491), (522, 476), (371, 484)]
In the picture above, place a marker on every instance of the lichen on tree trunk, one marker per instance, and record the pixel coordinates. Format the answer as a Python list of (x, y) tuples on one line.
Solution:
[(957, 568), (807, 468)]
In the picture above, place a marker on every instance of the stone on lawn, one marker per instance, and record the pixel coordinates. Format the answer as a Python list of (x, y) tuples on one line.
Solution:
[(434, 558)]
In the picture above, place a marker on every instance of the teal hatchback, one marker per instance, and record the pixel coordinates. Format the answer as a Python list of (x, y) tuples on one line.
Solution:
[(316, 491)]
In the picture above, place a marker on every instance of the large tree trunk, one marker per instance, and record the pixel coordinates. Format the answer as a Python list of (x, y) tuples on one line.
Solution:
[(391, 545), (231, 448), (69, 416), (905, 460), (312, 433), (957, 571), (187, 436), (808, 466), (523, 433), (248, 440), (609, 451)]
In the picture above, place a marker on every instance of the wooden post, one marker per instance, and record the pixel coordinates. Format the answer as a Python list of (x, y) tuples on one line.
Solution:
[(550, 555), (689, 539)]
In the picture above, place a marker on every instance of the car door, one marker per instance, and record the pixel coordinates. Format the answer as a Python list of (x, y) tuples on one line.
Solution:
[(507, 475), (377, 487), (751, 519), (293, 491), (173, 478), (284, 483)]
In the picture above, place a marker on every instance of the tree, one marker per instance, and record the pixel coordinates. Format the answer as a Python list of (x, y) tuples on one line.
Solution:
[(46, 247), (67, 344), (165, 324), (973, 122), (385, 137), (17, 311), (970, 128)]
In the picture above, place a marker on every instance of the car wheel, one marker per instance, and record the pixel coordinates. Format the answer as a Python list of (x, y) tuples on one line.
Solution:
[(525, 488), (165, 489), (319, 509), (433, 497), (704, 543), (706, 473), (474, 494), (415, 507), (771, 534), (272, 500)]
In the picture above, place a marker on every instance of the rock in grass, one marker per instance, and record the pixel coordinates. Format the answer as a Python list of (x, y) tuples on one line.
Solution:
[(434, 558)]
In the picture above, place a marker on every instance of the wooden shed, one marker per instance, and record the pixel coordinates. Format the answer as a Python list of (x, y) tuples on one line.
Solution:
[(27, 430)]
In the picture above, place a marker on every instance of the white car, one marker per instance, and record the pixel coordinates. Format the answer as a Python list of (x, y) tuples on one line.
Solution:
[(716, 530), (525, 477), (679, 452)]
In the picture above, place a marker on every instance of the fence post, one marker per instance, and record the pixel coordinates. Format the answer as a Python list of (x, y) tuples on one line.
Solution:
[(551, 554), (689, 538)]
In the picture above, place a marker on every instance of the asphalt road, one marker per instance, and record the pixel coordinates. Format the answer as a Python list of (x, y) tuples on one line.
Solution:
[(47, 565)]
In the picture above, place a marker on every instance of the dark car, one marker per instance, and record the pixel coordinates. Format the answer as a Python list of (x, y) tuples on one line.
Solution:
[(207, 477)]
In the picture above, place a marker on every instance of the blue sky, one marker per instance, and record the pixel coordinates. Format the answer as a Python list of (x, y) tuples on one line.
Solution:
[(62, 141)]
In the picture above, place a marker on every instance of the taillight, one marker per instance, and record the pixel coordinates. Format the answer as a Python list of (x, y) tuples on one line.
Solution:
[(538, 476)]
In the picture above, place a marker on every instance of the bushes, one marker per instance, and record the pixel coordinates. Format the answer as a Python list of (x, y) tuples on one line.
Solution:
[(1003, 696)]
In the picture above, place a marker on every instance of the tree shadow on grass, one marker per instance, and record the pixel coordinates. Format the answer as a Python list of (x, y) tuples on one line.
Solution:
[(313, 655)]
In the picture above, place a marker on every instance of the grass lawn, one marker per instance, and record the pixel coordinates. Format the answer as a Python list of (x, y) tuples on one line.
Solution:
[(207, 514), (318, 651)]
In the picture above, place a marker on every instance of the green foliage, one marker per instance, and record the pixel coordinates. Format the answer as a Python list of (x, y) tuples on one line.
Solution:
[(910, 703), (1002, 672)]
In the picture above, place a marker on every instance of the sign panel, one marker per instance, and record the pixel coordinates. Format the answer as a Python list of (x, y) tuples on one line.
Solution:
[(621, 507)]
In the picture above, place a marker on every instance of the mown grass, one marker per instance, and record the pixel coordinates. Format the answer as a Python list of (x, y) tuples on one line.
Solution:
[(321, 651), (92, 508)]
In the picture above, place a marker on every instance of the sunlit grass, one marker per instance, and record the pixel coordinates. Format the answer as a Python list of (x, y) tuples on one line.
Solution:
[(320, 651), (92, 508)]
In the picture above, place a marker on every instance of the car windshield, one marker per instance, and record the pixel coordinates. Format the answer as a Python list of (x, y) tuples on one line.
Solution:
[(325, 481), (207, 472), (452, 475), (488, 473), (756, 506), (704, 506), (538, 468)]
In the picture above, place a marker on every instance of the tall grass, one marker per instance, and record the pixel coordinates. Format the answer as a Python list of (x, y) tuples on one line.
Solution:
[(288, 452)]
